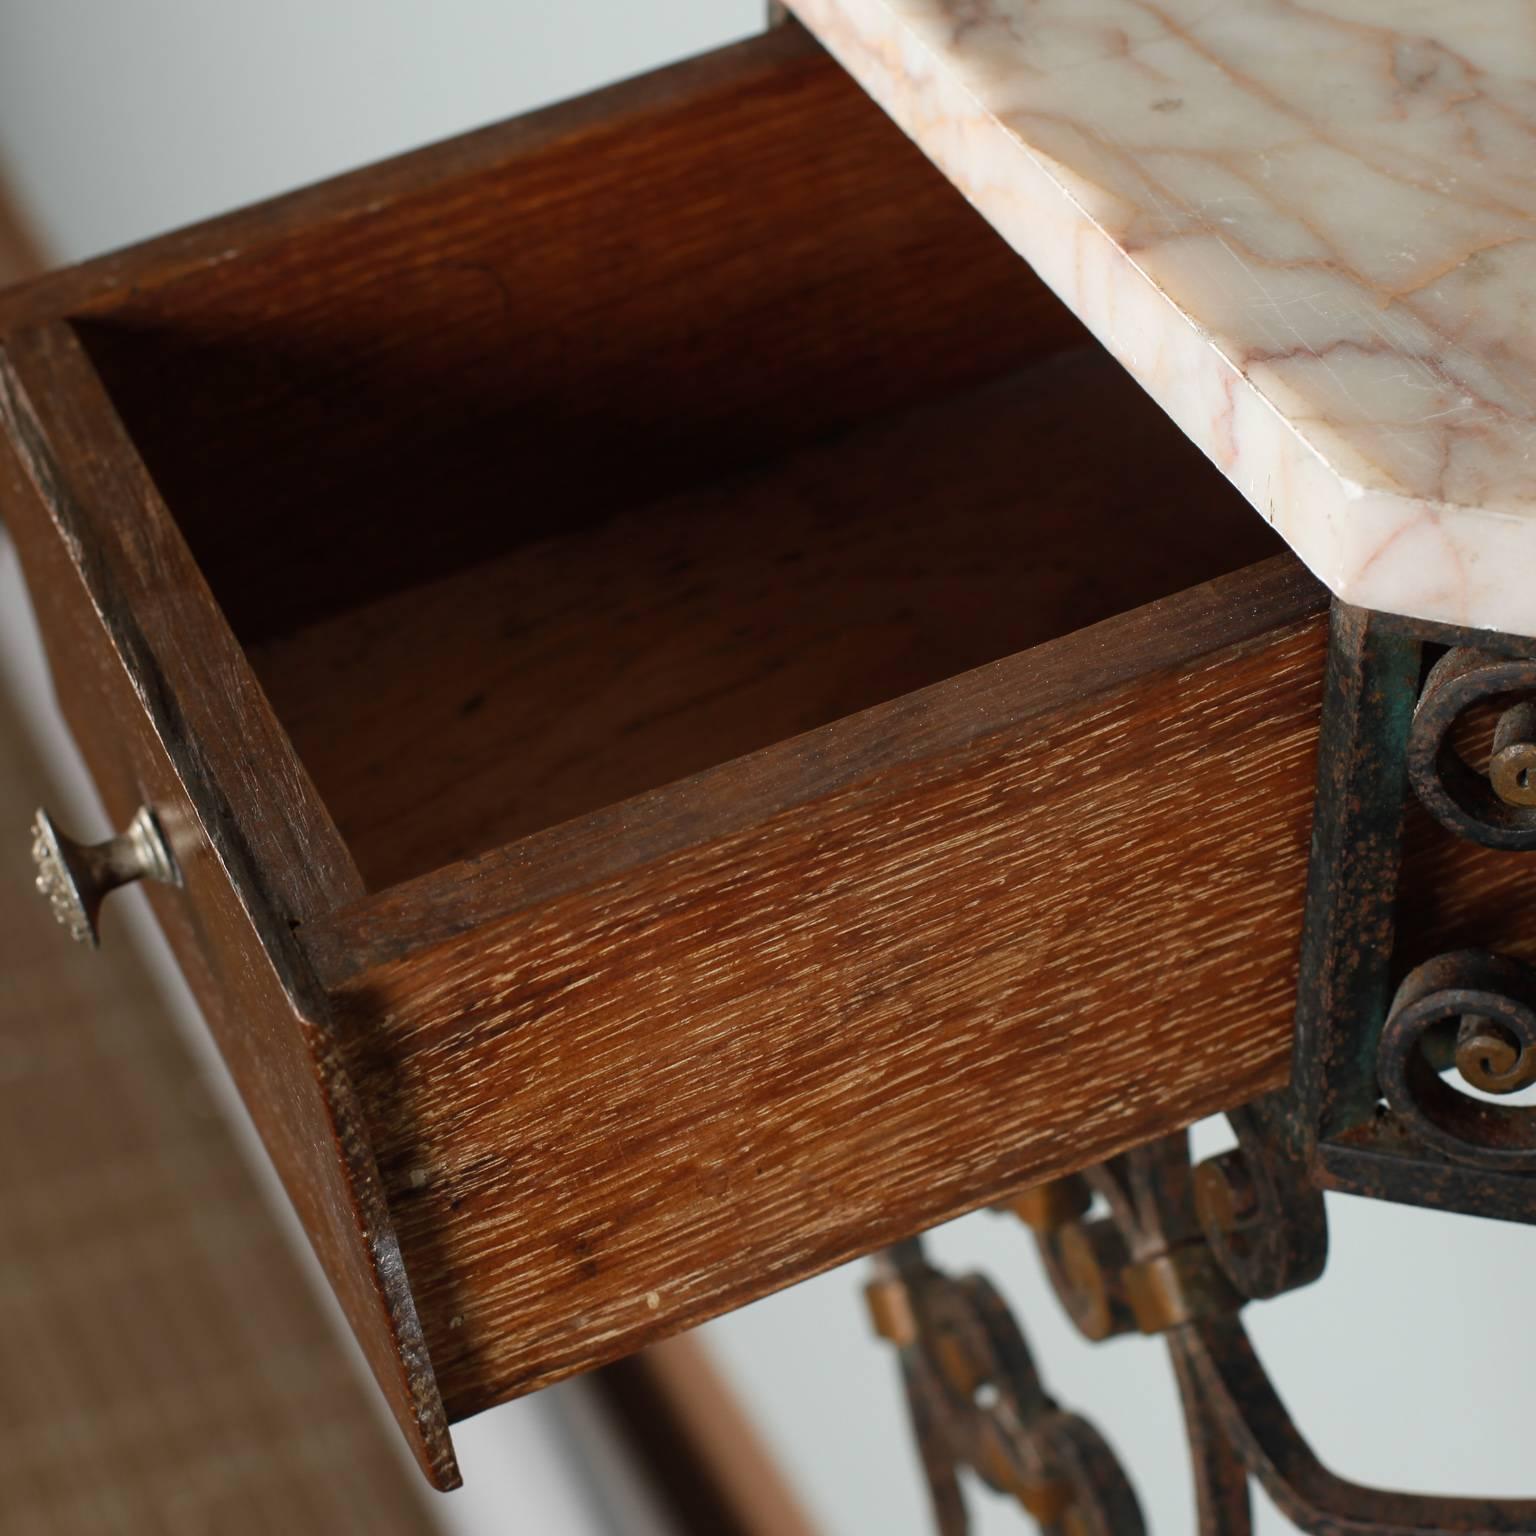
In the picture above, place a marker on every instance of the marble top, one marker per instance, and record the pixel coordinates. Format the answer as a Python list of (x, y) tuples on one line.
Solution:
[(1306, 226)]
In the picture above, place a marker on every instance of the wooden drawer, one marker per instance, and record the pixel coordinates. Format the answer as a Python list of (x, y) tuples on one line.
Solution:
[(636, 623)]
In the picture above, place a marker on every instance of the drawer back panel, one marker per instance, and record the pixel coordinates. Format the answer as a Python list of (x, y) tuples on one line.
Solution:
[(622, 295)]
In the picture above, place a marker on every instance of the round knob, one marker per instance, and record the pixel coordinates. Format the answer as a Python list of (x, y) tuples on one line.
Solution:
[(76, 877)]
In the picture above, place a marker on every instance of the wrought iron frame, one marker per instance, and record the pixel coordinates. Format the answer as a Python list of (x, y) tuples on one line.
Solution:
[(1149, 1242), (1367, 1108)]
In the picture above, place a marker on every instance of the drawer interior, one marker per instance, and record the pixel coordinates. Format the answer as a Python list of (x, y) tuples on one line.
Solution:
[(589, 664), (637, 447)]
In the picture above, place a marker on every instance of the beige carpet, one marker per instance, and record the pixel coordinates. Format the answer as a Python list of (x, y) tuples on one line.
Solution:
[(164, 1368)]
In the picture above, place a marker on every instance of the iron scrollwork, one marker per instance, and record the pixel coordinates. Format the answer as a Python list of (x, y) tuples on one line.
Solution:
[(1378, 1103), (1151, 1262), (1498, 807), (1480, 1010), (977, 1402), (1386, 1048)]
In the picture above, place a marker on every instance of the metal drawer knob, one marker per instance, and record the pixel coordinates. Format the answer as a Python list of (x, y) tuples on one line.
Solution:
[(76, 877)]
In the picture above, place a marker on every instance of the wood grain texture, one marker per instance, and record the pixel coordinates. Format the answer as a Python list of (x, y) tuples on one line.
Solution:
[(642, 1069), (579, 671), (610, 301), (1455, 894), (166, 713)]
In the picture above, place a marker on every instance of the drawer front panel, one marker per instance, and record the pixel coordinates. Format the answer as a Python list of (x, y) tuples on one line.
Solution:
[(159, 701), (999, 930)]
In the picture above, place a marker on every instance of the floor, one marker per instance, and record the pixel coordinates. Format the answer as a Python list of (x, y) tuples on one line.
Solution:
[(167, 1367)]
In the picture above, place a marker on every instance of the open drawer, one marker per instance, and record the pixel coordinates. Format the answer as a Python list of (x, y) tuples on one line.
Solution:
[(635, 625)]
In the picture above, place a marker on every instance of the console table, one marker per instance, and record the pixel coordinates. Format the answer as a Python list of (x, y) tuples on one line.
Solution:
[(689, 715)]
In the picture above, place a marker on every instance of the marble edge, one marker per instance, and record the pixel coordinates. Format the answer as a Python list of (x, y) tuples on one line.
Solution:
[(1373, 548)]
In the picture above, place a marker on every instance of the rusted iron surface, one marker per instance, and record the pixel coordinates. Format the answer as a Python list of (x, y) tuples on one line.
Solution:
[(1372, 1108), (1377, 1106), (976, 1400), (1485, 1007), (1496, 808), (1346, 946)]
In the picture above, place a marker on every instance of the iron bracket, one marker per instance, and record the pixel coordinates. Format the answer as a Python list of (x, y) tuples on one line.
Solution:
[(1372, 1108)]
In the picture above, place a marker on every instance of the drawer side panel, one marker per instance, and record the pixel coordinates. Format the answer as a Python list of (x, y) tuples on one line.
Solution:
[(986, 951)]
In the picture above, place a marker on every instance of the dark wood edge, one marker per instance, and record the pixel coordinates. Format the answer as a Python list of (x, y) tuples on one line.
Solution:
[(95, 286), (240, 770), (706, 1458), (20, 254), (231, 760), (1246, 606)]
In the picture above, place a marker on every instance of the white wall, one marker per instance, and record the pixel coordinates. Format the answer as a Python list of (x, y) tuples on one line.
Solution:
[(123, 118)]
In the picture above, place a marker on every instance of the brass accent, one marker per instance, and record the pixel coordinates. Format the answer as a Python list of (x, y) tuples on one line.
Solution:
[(1512, 767), (1047, 1502), (1225, 1195), (1490, 1056), (1051, 1205), (1182, 1285), (77, 877), (890, 1310), (1091, 1263)]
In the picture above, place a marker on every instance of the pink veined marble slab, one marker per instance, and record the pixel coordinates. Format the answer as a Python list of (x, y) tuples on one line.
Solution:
[(1308, 227)]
